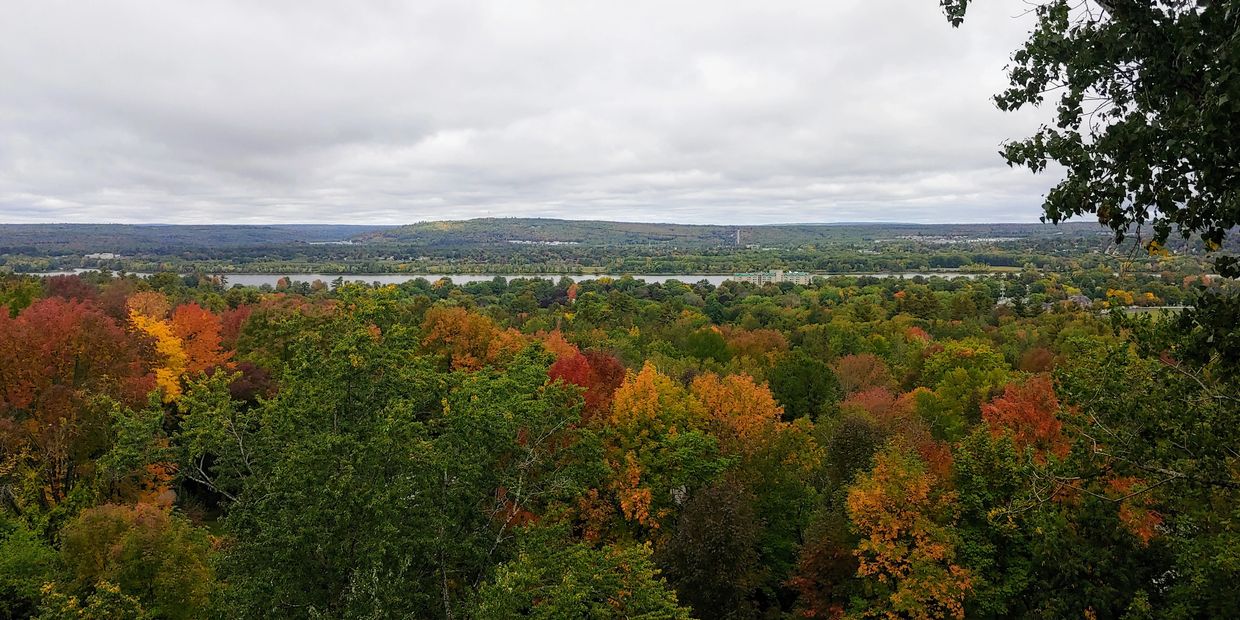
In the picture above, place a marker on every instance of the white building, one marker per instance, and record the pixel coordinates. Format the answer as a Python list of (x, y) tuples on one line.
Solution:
[(776, 276)]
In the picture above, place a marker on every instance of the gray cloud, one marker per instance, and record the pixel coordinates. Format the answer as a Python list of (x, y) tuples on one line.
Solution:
[(392, 112)]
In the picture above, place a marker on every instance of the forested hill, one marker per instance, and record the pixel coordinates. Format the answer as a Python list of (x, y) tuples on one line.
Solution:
[(132, 238), (129, 238), (513, 245), (594, 232)]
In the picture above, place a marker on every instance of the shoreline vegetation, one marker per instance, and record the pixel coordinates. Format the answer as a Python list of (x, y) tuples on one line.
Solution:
[(541, 274)]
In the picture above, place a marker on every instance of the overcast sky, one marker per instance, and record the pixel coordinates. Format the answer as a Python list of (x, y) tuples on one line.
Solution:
[(401, 111)]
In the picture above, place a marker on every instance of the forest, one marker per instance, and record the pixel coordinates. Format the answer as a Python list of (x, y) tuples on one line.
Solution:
[(859, 447)]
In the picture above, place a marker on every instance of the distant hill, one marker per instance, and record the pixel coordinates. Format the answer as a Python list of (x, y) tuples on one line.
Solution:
[(159, 238), (493, 234), (507, 245), (603, 233)]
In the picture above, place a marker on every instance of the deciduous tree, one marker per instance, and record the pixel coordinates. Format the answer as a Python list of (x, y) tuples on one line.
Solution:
[(469, 340), (1146, 116), (907, 547), (861, 371), (199, 332), (1029, 411), (146, 552), (805, 386), (553, 578)]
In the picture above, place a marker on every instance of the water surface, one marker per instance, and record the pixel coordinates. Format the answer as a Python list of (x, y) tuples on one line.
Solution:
[(259, 279)]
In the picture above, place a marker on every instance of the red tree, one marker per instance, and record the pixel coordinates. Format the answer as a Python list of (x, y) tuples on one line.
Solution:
[(53, 357), (861, 372), (72, 288), (65, 344), (231, 322), (598, 372), (1028, 411)]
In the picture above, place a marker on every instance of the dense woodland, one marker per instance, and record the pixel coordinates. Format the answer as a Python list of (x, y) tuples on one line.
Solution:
[(861, 447)]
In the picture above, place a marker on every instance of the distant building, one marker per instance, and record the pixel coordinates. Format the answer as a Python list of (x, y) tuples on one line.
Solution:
[(103, 255), (775, 277), (1081, 301)]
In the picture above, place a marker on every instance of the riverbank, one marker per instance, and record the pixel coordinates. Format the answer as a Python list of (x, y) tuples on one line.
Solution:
[(271, 279)]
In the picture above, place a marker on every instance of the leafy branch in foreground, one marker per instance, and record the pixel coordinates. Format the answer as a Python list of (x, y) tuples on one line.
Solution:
[(1148, 111)]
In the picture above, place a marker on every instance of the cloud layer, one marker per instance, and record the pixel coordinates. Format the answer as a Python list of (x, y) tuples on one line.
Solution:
[(393, 112)]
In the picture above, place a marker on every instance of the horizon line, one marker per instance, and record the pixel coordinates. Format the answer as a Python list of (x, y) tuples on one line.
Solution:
[(548, 219)]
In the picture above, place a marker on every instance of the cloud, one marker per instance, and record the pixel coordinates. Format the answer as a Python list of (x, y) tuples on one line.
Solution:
[(387, 112)]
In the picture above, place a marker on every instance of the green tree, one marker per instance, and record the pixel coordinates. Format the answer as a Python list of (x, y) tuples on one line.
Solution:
[(106, 602), (805, 386), (992, 481), (160, 560), (1169, 474), (26, 563), (374, 483), (965, 373), (714, 557), (707, 344), (919, 301), (17, 292), (552, 578)]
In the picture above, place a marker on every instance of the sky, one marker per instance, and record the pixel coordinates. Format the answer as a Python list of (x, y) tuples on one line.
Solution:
[(392, 112)]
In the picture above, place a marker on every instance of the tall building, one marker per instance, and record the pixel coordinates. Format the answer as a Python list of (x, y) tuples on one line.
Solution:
[(776, 276)]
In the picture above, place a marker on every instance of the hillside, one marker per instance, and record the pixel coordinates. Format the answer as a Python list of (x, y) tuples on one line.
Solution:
[(602, 233), (158, 238)]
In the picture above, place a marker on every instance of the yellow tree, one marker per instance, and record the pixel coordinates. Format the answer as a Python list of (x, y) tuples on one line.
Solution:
[(147, 312), (739, 408), (650, 396), (657, 447), (187, 339), (907, 543)]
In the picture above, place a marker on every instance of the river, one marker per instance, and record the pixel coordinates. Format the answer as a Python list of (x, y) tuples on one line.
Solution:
[(259, 279)]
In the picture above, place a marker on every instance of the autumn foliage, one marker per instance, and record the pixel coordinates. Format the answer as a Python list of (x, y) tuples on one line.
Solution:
[(754, 343), (199, 332), (1136, 510), (598, 372), (1028, 411), (649, 396), (55, 357), (56, 348), (740, 408), (904, 518), (861, 371), (186, 344), (469, 340), (434, 450)]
